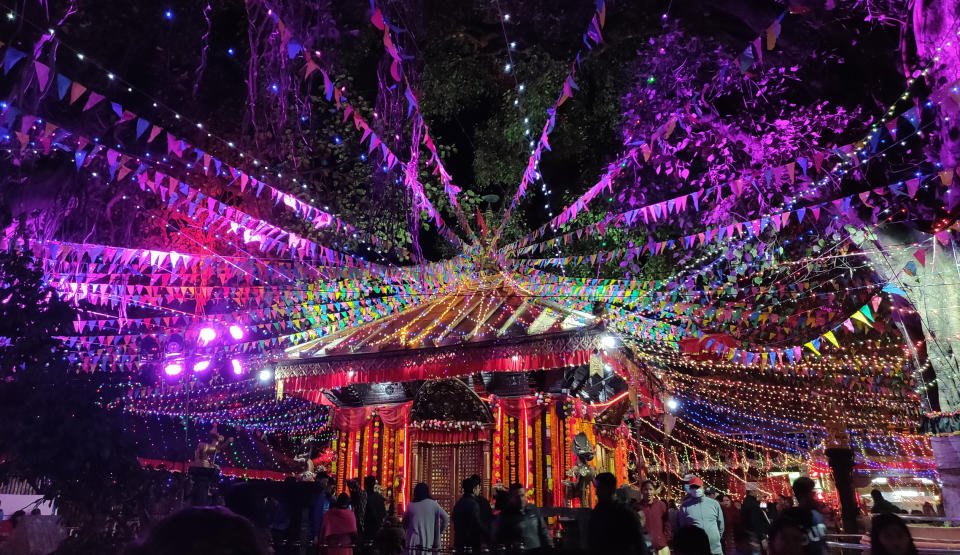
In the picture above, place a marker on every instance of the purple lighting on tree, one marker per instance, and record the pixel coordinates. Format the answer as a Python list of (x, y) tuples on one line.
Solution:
[(201, 366), (237, 366), (173, 369), (236, 332)]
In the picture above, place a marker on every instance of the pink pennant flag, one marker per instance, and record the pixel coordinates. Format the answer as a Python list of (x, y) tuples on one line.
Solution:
[(76, 91), (875, 302), (154, 132), (43, 74), (912, 186), (92, 100), (921, 256)]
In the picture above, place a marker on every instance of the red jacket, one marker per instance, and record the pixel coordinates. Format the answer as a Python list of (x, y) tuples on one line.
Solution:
[(657, 522)]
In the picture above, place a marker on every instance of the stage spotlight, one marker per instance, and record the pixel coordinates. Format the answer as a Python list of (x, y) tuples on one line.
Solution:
[(206, 336), (236, 332), (173, 369), (265, 375), (149, 348), (608, 341), (201, 365), (237, 366), (174, 345), (672, 404)]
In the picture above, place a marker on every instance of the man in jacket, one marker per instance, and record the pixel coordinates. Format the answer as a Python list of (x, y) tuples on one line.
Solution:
[(703, 512), (376, 511), (469, 529), (614, 528), (656, 518), (519, 526), (753, 517)]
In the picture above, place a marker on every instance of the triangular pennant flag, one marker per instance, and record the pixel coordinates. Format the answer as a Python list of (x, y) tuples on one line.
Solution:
[(859, 316), (142, 126), (92, 100), (831, 338), (866, 312), (43, 74), (921, 256), (11, 58), (76, 91), (63, 85), (893, 289)]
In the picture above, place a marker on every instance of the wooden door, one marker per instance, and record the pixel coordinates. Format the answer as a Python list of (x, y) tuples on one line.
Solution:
[(443, 467)]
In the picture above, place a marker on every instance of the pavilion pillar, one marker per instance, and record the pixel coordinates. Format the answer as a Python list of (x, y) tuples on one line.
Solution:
[(946, 455), (841, 465)]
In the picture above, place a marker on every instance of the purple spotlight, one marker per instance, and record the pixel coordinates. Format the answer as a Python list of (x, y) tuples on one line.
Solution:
[(237, 366), (201, 366), (236, 332), (207, 335), (173, 369)]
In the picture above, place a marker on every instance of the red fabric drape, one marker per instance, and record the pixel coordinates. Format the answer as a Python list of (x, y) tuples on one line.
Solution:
[(514, 408), (443, 436), (300, 386), (226, 470), (353, 419)]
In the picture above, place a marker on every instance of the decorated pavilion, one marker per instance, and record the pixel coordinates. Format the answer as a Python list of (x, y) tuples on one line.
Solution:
[(488, 380), (749, 283)]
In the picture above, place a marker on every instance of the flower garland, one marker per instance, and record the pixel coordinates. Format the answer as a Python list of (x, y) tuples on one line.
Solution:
[(448, 426)]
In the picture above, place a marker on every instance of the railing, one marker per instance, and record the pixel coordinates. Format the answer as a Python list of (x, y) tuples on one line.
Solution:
[(863, 547)]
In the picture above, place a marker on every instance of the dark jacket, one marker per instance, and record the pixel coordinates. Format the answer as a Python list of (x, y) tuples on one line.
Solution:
[(522, 528), (615, 529), (374, 516), (469, 528), (884, 506), (753, 518)]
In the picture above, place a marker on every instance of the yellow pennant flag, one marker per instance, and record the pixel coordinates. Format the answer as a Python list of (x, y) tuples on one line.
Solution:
[(831, 338)]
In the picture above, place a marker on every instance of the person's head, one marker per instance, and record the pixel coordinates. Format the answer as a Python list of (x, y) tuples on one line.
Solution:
[(803, 490), (876, 495), (786, 536), (694, 487), (420, 492), (928, 509), (479, 481), (646, 491), (201, 531), (470, 486), (517, 496), (690, 540), (725, 500), (889, 535), (35, 511), (606, 486), (370, 483), (16, 517), (784, 502), (353, 485), (343, 500)]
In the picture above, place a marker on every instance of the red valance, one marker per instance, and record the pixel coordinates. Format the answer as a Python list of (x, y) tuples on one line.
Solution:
[(226, 470), (443, 436), (349, 374), (353, 419), (514, 408)]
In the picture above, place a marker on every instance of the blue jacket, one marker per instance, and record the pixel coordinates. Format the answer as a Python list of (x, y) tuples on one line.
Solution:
[(704, 513)]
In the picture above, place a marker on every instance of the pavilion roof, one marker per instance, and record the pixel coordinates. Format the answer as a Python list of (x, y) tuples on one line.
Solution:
[(474, 313)]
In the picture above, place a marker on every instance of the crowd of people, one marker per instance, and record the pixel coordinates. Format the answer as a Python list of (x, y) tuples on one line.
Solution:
[(361, 521)]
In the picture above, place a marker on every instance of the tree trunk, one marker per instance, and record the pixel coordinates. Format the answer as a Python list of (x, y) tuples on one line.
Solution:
[(936, 292), (935, 27)]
